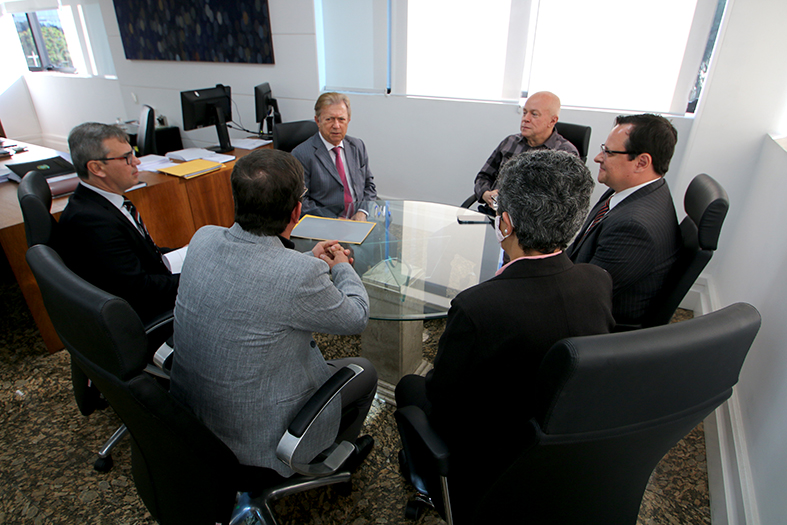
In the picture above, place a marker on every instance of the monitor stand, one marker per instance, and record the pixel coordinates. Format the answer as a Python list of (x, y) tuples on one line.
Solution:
[(224, 135)]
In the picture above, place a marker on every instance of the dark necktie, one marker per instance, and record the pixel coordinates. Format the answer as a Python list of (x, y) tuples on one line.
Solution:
[(600, 214), (136, 216), (140, 225), (348, 199)]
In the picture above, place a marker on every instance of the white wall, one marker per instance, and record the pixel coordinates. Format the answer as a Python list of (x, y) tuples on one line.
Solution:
[(744, 99)]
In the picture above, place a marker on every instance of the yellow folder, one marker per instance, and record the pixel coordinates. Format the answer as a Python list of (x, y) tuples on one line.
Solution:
[(192, 168)]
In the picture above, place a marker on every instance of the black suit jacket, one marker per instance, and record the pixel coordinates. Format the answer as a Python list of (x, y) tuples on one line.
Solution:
[(637, 243), (102, 246), (482, 386)]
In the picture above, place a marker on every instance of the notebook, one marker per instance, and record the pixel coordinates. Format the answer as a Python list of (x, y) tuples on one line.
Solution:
[(51, 167)]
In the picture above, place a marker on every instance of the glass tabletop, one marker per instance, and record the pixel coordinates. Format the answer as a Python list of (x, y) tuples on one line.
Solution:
[(419, 256)]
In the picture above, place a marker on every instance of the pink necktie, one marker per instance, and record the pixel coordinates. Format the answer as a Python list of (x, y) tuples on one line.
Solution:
[(340, 168)]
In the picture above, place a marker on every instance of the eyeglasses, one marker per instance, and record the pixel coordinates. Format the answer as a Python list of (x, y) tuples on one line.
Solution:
[(608, 152), (126, 157), (305, 191)]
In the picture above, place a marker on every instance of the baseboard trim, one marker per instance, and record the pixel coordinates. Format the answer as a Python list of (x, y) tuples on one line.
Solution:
[(732, 498)]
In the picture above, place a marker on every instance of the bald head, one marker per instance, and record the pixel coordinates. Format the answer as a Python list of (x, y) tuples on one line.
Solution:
[(539, 117)]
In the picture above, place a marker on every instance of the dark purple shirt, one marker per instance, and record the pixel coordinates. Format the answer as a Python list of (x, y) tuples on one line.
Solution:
[(511, 146)]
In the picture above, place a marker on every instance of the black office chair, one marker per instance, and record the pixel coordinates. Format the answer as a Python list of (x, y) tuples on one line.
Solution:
[(288, 135), (609, 408), (183, 472), (35, 200), (576, 134), (706, 204), (146, 134)]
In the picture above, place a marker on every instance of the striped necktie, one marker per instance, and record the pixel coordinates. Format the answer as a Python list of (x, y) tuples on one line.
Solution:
[(141, 225), (136, 216), (600, 214), (348, 199)]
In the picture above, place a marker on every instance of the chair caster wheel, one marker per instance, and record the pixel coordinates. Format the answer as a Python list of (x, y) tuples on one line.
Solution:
[(103, 464), (413, 510)]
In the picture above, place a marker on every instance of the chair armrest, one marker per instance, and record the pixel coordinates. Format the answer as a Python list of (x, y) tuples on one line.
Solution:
[(303, 421), (160, 321), (413, 425), (468, 201), (626, 328)]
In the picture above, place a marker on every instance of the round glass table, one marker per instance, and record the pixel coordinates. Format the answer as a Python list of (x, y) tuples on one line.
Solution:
[(416, 258)]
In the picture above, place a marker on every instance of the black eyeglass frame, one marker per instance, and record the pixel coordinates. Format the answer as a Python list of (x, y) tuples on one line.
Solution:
[(126, 157), (608, 152)]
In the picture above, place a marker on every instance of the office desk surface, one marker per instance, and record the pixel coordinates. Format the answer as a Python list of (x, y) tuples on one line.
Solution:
[(173, 210)]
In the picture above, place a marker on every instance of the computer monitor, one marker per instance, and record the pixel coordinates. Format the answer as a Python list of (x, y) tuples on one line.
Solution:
[(209, 107), (267, 109)]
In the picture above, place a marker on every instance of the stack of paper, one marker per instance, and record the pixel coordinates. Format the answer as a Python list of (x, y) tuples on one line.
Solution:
[(192, 168), (250, 143), (199, 153), (189, 154), (154, 163)]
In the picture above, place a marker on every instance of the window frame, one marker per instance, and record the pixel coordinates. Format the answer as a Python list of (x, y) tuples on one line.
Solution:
[(38, 42), (519, 55)]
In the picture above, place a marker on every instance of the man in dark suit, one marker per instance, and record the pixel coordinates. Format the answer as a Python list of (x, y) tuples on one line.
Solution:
[(101, 236), (498, 331), (335, 167), (633, 231)]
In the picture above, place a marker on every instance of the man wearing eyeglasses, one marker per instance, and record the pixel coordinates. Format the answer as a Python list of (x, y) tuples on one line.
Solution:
[(101, 236), (632, 232), (537, 131)]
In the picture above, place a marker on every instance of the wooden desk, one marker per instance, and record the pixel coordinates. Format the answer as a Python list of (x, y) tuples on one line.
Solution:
[(173, 209)]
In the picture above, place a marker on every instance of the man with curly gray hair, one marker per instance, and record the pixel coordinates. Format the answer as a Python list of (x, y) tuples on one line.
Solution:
[(498, 331)]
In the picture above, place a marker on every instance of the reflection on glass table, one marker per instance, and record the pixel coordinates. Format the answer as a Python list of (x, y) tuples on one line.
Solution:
[(419, 256)]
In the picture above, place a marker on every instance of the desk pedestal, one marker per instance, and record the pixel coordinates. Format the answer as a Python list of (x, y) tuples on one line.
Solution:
[(394, 347)]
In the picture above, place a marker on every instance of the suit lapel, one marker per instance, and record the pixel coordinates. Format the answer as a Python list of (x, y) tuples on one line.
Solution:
[(352, 168), (581, 237), (619, 208), (322, 154), (117, 215)]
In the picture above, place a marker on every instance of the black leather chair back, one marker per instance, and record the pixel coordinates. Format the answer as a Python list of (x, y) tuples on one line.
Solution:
[(183, 472), (146, 135), (288, 135), (35, 200), (706, 204), (576, 134), (612, 406)]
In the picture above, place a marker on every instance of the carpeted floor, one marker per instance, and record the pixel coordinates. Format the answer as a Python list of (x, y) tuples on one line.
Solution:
[(48, 448)]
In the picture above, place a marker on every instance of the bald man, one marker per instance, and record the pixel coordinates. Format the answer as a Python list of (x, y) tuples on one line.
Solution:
[(537, 131)]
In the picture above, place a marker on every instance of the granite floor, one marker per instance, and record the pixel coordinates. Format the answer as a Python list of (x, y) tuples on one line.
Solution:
[(47, 450)]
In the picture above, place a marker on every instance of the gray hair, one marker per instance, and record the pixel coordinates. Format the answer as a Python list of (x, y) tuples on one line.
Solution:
[(547, 195), (86, 143), (329, 99)]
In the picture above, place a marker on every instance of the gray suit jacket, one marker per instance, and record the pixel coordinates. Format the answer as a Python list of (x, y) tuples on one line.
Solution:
[(246, 361), (637, 243), (322, 178)]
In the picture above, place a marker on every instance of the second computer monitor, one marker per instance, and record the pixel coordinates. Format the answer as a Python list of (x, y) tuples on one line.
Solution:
[(209, 107), (267, 109)]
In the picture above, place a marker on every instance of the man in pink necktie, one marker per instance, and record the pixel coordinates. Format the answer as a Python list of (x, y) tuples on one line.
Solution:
[(336, 167)]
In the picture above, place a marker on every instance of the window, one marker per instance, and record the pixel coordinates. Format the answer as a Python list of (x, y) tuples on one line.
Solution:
[(609, 54), (65, 35), (43, 41)]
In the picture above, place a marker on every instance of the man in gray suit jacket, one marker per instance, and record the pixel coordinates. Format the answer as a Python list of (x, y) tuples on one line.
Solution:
[(247, 305), (633, 231), (335, 167)]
